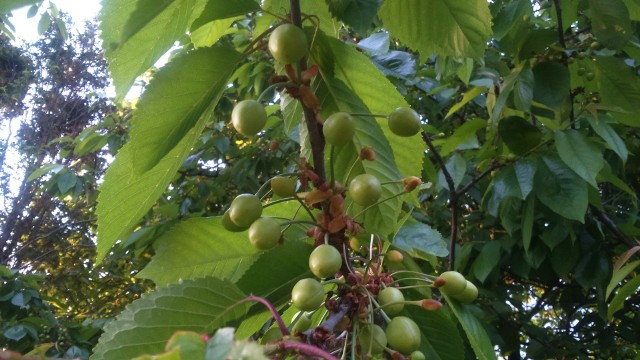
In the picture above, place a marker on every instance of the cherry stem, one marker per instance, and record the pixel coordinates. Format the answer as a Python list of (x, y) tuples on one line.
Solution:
[(372, 115), (411, 272), (346, 179), (306, 349), (274, 312), (378, 203), (306, 208), (290, 222), (275, 202), (411, 279)]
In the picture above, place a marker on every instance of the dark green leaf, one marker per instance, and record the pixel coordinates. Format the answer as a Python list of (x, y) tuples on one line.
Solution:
[(510, 16), (487, 260), (286, 265), (552, 84), (610, 136), (559, 188), (440, 337), (358, 14), (476, 334), (464, 137), (441, 27), (144, 327), (457, 168), (610, 22), (528, 216), (593, 269), (66, 181), (156, 149), (420, 240), (581, 156), (518, 134), (564, 257), (523, 90)]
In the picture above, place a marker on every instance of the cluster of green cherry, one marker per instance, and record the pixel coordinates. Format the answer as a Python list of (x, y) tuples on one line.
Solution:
[(362, 298)]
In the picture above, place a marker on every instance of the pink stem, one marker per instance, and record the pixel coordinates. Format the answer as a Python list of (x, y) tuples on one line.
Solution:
[(274, 312), (307, 349)]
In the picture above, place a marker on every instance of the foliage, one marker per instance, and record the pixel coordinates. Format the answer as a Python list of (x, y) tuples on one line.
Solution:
[(528, 140), (523, 178)]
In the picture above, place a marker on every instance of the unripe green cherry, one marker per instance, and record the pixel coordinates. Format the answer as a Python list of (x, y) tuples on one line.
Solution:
[(245, 209), (468, 295), (288, 44), (264, 233), (325, 261), (372, 339), (248, 117), (417, 355), (455, 283), (404, 121), (394, 256), (338, 129), (365, 189), (307, 294), (403, 334), (303, 324), (283, 186), (393, 296), (230, 225)]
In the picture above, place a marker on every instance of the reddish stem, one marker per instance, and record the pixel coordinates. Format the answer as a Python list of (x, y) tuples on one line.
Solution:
[(274, 312), (307, 349)]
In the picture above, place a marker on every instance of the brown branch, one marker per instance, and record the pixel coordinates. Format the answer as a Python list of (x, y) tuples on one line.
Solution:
[(613, 227), (495, 165), (314, 128), (453, 199), (556, 4)]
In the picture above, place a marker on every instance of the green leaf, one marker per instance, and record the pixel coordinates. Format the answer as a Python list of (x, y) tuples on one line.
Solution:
[(66, 181), (476, 334), (170, 112), (208, 34), (593, 269), (464, 137), (217, 10), (200, 247), (10, 5), (559, 188), (523, 90), (630, 288), (610, 22), (634, 9), (518, 134), (220, 345), (144, 327), (457, 168), (62, 28), (440, 27), (420, 240), (358, 14), (276, 271), (15, 333), (468, 96), (487, 260), (379, 96), (618, 83), (133, 46), (610, 136), (44, 23), (350, 83), (582, 157), (510, 17), (45, 169), (552, 84), (619, 275), (527, 222), (440, 337)]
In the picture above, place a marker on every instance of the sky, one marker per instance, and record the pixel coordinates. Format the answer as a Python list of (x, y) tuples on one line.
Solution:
[(79, 10)]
